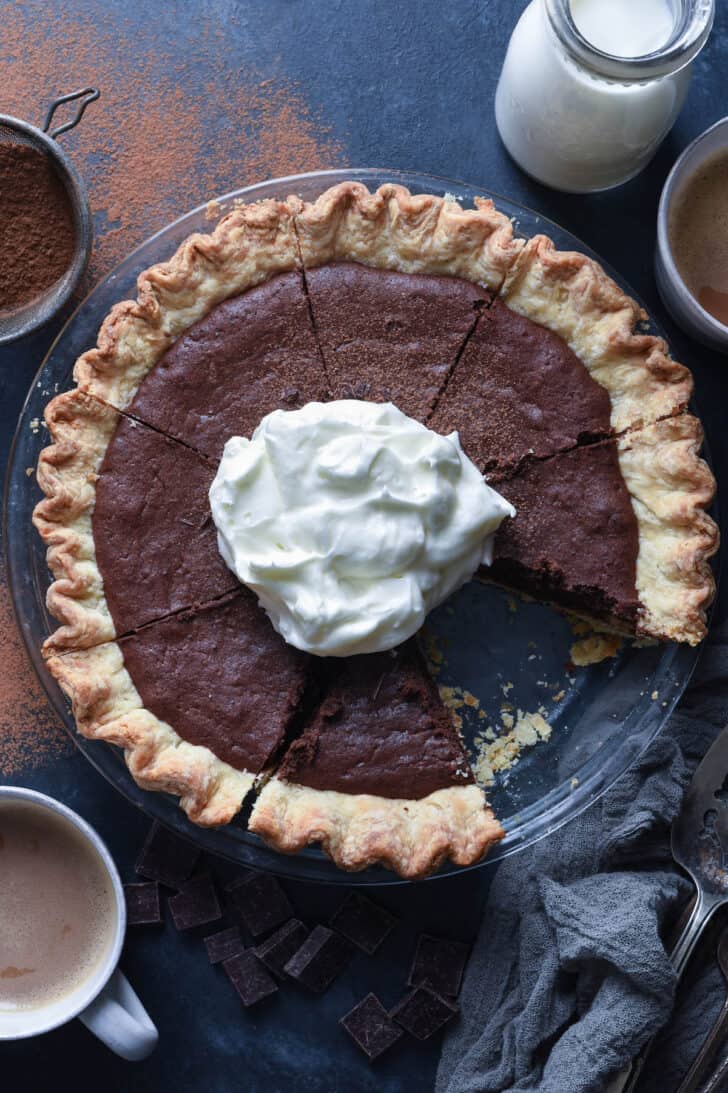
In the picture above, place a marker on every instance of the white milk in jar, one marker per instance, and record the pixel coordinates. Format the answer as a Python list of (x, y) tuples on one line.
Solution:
[(589, 88)]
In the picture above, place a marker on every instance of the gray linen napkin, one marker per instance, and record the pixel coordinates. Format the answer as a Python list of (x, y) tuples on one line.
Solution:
[(569, 976)]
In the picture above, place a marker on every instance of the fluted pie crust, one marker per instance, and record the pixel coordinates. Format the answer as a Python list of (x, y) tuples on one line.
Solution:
[(658, 445)]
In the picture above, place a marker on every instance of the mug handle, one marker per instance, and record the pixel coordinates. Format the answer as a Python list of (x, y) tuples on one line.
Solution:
[(118, 1018)]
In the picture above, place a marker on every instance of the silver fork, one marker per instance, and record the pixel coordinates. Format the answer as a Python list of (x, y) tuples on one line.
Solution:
[(700, 846), (698, 1072)]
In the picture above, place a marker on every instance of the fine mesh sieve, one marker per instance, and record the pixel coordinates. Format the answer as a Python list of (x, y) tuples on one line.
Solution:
[(13, 131)]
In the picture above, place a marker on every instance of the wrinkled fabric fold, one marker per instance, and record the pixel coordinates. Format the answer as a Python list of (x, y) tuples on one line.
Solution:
[(569, 976)]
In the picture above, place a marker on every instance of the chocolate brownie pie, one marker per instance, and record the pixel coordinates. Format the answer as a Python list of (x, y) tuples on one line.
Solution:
[(533, 355)]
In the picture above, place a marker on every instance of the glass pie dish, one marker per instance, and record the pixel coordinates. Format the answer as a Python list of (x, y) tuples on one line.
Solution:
[(504, 661)]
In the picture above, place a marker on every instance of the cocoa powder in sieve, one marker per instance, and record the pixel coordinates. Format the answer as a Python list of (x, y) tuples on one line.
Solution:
[(36, 226)]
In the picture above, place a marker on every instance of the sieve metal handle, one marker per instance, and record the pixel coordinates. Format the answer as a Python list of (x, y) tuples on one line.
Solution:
[(85, 96)]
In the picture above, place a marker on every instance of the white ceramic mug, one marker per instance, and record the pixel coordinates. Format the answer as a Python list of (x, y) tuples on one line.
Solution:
[(105, 1001)]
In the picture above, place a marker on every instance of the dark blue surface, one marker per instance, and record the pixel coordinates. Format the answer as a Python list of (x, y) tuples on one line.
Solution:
[(409, 85)]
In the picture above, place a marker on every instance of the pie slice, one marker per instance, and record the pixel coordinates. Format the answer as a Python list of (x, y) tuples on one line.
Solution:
[(574, 539), (252, 354), (616, 531), (249, 246), (572, 296), (388, 336), (200, 701), (127, 522), (519, 392), (379, 774)]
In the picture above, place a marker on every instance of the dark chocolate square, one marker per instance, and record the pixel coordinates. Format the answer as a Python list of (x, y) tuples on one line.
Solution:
[(195, 904), (260, 902), (440, 963), (166, 858), (371, 1027), (422, 1012), (363, 922), (320, 959), (278, 949), (142, 903), (224, 944), (250, 979)]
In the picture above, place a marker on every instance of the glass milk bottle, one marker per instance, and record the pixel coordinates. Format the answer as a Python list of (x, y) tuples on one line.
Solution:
[(589, 88)]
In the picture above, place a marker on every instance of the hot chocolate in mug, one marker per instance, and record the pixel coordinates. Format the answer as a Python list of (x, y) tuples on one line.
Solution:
[(76, 973)]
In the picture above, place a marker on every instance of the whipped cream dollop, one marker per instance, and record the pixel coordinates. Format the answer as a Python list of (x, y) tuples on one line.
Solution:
[(350, 521)]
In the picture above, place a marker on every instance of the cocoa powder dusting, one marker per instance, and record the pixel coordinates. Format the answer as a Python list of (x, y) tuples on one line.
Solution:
[(30, 732), (37, 250), (177, 124)]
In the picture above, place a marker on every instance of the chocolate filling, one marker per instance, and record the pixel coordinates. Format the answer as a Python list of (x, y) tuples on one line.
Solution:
[(252, 354), (156, 543), (221, 677), (391, 337), (574, 538), (382, 729), (519, 391)]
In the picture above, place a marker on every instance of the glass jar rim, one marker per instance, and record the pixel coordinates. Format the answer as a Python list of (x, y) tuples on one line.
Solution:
[(690, 33)]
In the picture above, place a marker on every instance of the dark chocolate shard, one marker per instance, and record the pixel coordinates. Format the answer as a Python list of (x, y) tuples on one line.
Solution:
[(166, 858), (440, 963), (371, 1027), (224, 944), (320, 959), (363, 922), (142, 904), (423, 1012), (195, 904), (261, 903), (277, 950), (250, 979)]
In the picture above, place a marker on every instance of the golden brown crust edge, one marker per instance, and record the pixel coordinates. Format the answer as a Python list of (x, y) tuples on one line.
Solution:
[(107, 706), (249, 245), (572, 295), (671, 486), (413, 838), (80, 428), (392, 228)]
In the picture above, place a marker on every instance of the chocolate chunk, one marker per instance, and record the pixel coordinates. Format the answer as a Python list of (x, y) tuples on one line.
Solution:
[(195, 904), (142, 903), (235, 881), (277, 950), (422, 1012), (363, 923), (261, 903), (166, 858), (223, 945), (440, 963), (319, 960), (371, 1027), (250, 979)]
